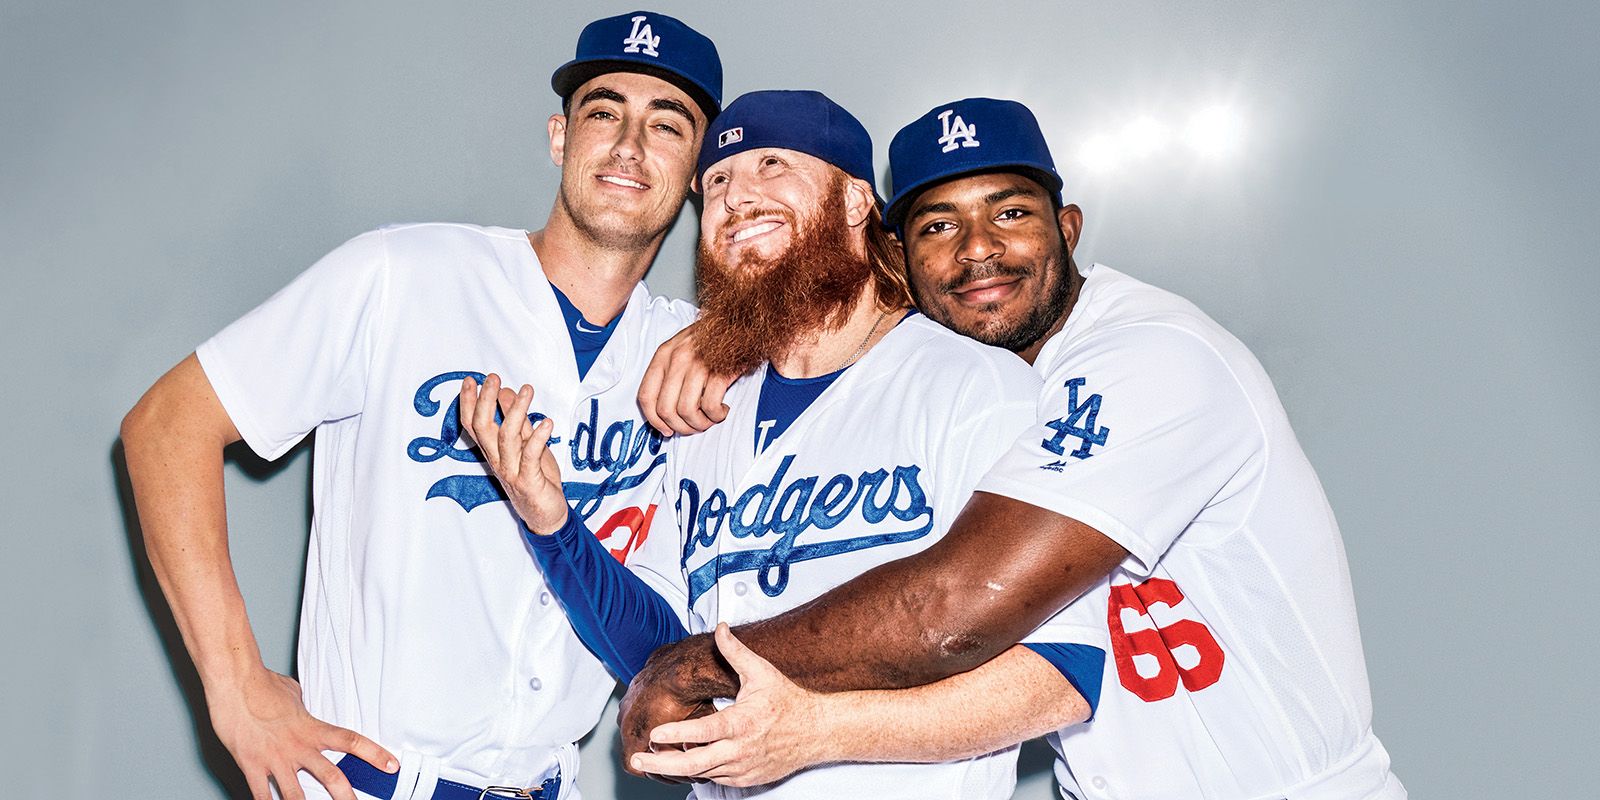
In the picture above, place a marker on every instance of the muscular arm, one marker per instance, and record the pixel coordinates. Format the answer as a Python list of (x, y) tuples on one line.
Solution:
[(776, 728), (173, 440), (1003, 568)]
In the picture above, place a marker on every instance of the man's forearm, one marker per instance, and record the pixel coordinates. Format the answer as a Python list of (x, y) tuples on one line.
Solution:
[(1016, 696), (174, 461), (1003, 569)]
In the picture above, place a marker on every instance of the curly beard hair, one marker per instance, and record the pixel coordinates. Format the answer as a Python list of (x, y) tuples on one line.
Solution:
[(759, 309)]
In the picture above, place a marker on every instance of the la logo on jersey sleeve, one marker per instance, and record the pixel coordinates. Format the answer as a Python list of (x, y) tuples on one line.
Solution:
[(1078, 423)]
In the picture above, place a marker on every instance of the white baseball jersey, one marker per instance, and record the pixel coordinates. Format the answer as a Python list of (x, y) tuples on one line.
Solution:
[(1236, 668), (425, 625), (874, 470)]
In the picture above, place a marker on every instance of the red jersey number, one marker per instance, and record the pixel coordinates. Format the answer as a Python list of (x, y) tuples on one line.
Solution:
[(632, 520), (1159, 642)]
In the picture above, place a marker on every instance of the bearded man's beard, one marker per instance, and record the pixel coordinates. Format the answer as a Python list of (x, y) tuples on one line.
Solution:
[(759, 309)]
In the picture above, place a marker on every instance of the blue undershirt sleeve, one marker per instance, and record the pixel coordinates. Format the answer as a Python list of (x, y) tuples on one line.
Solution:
[(615, 614), (1082, 665)]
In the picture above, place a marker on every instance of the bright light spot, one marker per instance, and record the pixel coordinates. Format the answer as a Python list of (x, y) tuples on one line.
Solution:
[(1143, 136), (1100, 153), (1215, 132)]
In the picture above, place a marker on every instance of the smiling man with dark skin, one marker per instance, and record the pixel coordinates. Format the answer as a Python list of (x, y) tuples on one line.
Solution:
[(1161, 487)]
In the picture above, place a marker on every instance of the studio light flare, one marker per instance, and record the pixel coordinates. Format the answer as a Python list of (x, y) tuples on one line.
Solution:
[(1213, 133)]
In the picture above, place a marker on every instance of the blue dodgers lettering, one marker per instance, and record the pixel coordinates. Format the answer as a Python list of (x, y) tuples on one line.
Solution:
[(619, 449), (1078, 423), (471, 490), (788, 509), (623, 445)]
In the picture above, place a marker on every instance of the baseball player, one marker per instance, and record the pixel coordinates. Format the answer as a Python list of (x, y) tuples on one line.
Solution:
[(429, 652), (852, 441), (1161, 480)]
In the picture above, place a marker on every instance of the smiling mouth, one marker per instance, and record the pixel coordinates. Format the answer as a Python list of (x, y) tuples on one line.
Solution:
[(987, 290), (757, 229), (618, 180)]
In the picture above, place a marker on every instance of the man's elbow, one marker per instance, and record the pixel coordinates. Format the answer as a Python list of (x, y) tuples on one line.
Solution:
[(139, 423), (952, 642)]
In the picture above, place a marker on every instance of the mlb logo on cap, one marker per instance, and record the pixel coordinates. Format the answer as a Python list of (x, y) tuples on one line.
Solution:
[(943, 144), (804, 121)]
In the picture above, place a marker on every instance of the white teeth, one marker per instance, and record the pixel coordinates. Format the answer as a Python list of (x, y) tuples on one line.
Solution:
[(622, 182), (755, 230)]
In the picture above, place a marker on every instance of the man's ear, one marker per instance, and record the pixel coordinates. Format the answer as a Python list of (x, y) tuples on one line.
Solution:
[(1070, 218), (558, 138), (859, 200)]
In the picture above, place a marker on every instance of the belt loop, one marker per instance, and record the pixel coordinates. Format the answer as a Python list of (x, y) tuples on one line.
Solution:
[(406, 779), (427, 777), (567, 762)]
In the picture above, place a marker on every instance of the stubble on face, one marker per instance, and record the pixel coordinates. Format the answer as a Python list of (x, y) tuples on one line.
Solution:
[(758, 309), (607, 218), (1016, 333)]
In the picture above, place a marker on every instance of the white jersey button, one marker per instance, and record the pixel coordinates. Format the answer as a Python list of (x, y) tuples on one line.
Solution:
[(544, 598), (740, 589), (1099, 783), (535, 684)]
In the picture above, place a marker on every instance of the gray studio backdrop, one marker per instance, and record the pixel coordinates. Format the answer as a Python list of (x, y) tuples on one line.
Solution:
[(1392, 203)]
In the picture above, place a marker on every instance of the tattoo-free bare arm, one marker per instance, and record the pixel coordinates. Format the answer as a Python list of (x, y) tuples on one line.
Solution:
[(173, 440)]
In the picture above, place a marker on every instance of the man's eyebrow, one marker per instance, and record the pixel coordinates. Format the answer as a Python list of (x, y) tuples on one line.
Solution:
[(669, 104), (602, 93), (931, 208), (1010, 192), (999, 196)]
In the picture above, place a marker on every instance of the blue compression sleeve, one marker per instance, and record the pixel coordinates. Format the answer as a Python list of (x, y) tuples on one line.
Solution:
[(1082, 665), (616, 615)]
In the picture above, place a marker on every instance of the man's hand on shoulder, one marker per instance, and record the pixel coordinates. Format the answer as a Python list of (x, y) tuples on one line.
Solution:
[(265, 726), (678, 393)]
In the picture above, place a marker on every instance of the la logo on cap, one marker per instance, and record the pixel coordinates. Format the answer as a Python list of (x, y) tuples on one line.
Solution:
[(957, 133), (730, 136), (641, 40)]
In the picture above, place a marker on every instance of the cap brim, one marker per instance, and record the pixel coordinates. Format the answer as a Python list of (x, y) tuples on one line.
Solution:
[(894, 215), (569, 76)]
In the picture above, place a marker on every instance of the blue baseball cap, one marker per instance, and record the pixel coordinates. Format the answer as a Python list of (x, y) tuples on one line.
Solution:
[(978, 134), (800, 120), (650, 43)]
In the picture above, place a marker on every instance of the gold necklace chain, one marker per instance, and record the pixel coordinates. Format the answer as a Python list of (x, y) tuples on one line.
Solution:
[(862, 348)]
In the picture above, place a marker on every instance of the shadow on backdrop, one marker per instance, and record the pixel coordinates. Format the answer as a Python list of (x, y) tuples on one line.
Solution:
[(218, 761)]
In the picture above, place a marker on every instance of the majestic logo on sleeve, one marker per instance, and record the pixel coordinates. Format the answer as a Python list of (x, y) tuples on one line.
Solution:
[(882, 507), (641, 39), (957, 133), (624, 455), (1079, 423)]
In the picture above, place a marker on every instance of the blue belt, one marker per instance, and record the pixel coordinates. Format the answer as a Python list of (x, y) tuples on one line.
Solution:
[(376, 782)]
